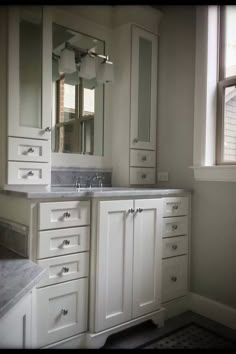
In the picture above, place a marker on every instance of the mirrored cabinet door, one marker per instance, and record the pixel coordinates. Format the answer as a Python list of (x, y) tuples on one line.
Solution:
[(29, 72), (143, 89)]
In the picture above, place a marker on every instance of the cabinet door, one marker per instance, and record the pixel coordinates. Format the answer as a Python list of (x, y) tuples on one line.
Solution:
[(29, 72), (147, 256), (143, 89), (114, 264)]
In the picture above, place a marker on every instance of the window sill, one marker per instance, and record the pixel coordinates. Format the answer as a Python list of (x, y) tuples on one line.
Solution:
[(222, 173)]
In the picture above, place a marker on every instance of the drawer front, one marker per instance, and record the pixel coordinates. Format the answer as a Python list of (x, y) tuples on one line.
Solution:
[(20, 149), (28, 173), (64, 214), (142, 175), (174, 246), (142, 158), (175, 226), (61, 242), (61, 311), (175, 206), (64, 268), (174, 277)]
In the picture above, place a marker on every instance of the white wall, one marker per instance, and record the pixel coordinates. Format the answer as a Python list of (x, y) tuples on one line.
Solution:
[(214, 203)]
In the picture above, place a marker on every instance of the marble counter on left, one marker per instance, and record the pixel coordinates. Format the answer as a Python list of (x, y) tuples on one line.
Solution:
[(18, 276)]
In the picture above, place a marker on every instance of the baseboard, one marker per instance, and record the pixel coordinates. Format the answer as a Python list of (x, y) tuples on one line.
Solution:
[(213, 310)]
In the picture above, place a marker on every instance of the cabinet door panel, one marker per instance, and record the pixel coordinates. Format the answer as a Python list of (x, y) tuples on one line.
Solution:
[(147, 256), (114, 264)]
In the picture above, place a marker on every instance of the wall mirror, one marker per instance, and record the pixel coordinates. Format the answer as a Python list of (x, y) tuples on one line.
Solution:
[(77, 101)]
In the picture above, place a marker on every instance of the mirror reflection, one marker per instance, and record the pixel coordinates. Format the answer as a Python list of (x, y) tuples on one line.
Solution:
[(78, 95)]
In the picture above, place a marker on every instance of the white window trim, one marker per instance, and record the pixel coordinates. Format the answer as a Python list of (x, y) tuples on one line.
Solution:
[(206, 76)]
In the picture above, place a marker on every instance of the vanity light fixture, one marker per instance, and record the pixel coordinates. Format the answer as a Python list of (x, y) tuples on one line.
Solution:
[(66, 62), (104, 72)]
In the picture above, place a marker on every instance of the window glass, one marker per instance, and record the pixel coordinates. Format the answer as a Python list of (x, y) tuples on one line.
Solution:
[(230, 41)]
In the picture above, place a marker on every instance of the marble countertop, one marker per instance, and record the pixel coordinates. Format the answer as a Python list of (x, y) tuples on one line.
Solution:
[(111, 192), (18, 276)]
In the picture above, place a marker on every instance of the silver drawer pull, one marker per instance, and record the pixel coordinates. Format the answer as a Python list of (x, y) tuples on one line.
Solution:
[(144, 175), (65, 269), (135, 140), (131, 210), (175, 207), (64, 312), (30, 173), (174, 278), (174, 247), (30, 150), (47, 129), (144, 158), (174, 227), (66, 242), (67, 214), (139, 210)]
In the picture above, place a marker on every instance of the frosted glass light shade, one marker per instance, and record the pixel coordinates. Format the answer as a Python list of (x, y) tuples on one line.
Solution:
[(87, 68), (105, 73), (67, 61)]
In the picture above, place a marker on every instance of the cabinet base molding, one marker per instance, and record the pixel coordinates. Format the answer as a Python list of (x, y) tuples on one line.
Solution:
[(176, 307), (213, 310), (75, 342), (97, 340)]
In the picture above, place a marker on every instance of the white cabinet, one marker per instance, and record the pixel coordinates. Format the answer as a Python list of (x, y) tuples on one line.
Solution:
[(15, 326), (128, 268)]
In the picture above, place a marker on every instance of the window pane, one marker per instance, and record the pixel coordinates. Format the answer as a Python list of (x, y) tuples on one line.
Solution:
[(230, 41), (230, 124)]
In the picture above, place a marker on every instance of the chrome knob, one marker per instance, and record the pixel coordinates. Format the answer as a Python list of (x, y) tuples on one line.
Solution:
[(30, 150), (135, 140), (174, 247), (174, 227), (66, 242), (64, 312), (47, 129), (144, 175), (174, 278), (67, 214), (30, 173), (139, 210), (131, 210), (144, 158), (175, 207), (65, 269)]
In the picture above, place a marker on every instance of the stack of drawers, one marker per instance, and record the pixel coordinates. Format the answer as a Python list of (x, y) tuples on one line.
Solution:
[(63, 249), (142, 167), (175, 248)]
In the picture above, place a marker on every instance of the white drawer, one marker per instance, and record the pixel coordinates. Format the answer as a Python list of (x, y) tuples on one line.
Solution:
[(61, 311), (61, 242), (55, 215), (175, 226), (20, 149), (175, 206), (64, 268), (174, 246), (28, 173), (174, 277), (142, 175), (142, 158)]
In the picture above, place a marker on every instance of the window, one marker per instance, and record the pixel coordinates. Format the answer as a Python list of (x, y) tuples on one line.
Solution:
[(226, 95)]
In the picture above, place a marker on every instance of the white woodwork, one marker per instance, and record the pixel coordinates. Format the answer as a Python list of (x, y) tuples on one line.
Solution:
[(175, 206), (28, 173), (14, 127), (141, 175), (174, 246), (175, 226), (136, 34), (174, 277), (15, 326), (114, 264), (20, 149), (147, 256), (55, 215), (52, 324), (64, 268), (61, 242), (142, 158)]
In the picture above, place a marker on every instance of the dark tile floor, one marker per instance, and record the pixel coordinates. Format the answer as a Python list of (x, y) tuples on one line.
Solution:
[(145, 332)]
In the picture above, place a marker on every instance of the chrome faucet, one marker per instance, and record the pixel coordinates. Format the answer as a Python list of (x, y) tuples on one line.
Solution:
[(98, 177), (77, 182)]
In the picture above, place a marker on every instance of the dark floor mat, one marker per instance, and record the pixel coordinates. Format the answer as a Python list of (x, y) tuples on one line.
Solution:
[(191, 336)]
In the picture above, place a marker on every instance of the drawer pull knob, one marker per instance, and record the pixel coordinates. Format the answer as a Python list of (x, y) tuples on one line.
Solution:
[(64, 312), (175, 207), (47, 129), (131, 210), (30, 150), (144, 158), (174, 247), (66, 242), (135, 140), (144, 175), (174, 227), (67, 214), (174, 278), (139, 210), (65, 269), (30, 173)]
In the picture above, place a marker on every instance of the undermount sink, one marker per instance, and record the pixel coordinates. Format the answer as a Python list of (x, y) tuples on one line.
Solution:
[(89, 189)]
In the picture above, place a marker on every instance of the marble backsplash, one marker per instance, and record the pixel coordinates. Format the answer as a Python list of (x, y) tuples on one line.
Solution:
[(67, 176), (14, 237)]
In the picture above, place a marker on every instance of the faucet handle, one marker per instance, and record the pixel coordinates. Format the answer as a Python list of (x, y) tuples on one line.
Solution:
[(100, 179), (78, 181)]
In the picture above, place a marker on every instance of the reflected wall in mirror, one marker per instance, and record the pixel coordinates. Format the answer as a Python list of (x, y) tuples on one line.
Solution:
[(78, 103)]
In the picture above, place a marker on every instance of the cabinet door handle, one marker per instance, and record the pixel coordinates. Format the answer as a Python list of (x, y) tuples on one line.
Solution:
[(64, 312), (174, 227), (174, 278), (30, 150), (131, 210), (144, 158), (30, 173), (47, 129), (139, 210), (67, 214), (144, 176), (175, 207), (135, 140), (66, 242), (65, 269), (174, 247)]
